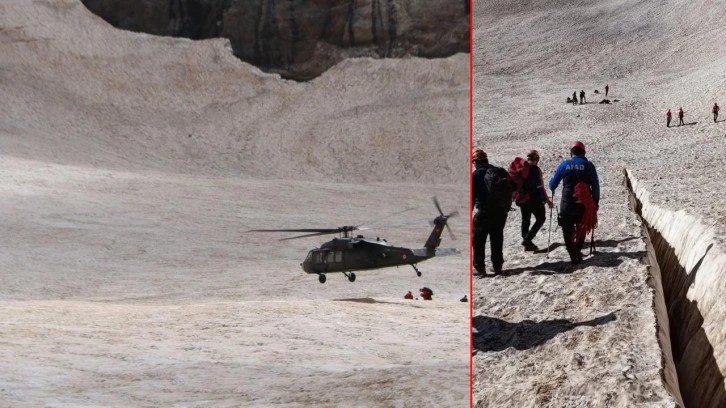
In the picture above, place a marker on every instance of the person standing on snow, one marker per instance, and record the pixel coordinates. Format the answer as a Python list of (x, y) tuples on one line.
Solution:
[(576, 210), (715, 110), (669, 115), (680, 117), (607, 88), (426, 293), (574, 98), (535, 204), (582, 97), (491, 200)]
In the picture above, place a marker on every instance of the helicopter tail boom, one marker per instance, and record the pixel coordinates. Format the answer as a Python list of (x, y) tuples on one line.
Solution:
[(434, 239)]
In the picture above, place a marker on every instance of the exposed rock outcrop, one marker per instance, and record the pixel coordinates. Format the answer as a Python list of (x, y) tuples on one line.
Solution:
[(301, 39)]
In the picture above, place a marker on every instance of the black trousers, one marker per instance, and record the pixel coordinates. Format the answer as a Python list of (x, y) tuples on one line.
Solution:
[(488, 226), (528, 209), (715, 116), (570, 215), (668, 122)]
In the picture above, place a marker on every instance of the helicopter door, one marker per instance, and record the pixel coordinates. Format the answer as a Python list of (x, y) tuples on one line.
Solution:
[(320, 261), (335, 261), (358, 258), (329, 261)]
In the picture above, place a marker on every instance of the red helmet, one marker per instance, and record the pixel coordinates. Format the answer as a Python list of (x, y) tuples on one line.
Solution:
[(577, 145), (478, 156)]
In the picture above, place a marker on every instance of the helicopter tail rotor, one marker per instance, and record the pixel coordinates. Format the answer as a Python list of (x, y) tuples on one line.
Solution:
[(451, 214)]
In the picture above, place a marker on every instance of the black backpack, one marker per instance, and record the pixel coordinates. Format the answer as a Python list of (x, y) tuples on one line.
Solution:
[(500, 189)]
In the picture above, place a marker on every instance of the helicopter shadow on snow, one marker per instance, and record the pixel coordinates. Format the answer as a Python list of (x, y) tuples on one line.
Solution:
[(561, 267), (372, 301)]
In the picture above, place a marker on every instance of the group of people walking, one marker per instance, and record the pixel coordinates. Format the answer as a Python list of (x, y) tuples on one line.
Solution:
[(714, 110), (582, 100), (494, 189)]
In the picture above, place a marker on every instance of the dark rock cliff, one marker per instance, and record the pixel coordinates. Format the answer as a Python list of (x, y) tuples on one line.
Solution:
[(300, 39)]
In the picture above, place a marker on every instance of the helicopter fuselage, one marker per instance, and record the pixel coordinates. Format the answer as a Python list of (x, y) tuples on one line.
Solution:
[(347, 254)]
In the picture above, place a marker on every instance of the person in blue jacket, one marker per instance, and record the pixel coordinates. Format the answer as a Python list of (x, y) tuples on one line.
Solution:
[(571, 171)]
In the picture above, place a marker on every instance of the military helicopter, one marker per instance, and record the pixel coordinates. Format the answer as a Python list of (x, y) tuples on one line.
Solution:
[(346, 253)]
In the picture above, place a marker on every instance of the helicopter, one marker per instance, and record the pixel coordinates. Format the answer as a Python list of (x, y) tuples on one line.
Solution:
[(348, 253)]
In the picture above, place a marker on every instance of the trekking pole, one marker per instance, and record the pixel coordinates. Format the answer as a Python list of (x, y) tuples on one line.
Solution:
[(549, 235), (549, 230)]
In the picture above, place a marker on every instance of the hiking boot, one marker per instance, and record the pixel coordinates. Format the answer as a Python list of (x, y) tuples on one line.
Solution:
[(482, 273), (498, 270), (576, 259), (529, 246)]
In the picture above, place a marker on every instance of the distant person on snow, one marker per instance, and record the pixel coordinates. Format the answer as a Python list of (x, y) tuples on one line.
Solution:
[(426, 293), (582, 97), (491, 200), (680, 117), (669, 115), (531, 199), (607, 89), (408, 295), (574, 98), (580, 199), (715, 110)]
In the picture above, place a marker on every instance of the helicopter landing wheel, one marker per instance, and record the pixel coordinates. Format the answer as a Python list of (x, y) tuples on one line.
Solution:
[(418, 273), (321, 277), (351, 276)]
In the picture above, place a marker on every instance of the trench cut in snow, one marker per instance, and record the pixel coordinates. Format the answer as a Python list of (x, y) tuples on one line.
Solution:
[(686, 275)]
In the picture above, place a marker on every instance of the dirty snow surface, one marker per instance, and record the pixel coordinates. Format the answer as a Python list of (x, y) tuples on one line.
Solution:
[(132, 168), (558, 335)]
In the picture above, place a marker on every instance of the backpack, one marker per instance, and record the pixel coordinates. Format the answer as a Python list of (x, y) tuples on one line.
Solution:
[(499, 187), (518, 172)]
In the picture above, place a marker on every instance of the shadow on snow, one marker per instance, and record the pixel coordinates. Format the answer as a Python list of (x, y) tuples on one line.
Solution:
[(492, 334)]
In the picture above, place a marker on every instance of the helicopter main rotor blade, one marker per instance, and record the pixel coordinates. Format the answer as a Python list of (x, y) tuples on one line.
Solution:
[(371, 224), (305, 236), (320, 230), (312, 231)]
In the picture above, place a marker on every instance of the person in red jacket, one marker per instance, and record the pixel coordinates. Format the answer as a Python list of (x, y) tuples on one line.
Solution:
[(534, 203), (669, 115), (408, 295), (680, 117), (426, 293), (715, 110)]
